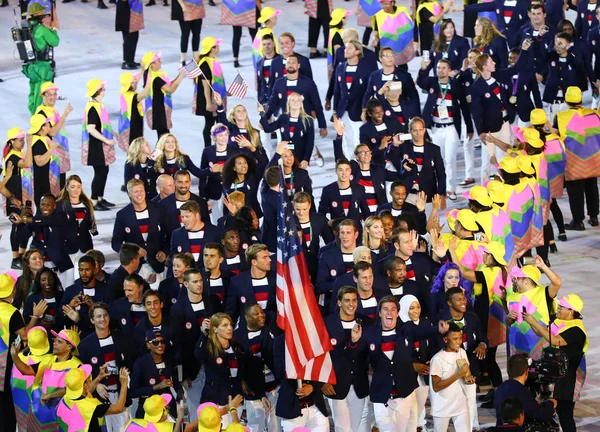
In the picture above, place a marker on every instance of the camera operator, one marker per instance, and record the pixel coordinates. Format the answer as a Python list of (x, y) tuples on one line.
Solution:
[(45, 37), (514, 387), (568, 333), (513, 416)]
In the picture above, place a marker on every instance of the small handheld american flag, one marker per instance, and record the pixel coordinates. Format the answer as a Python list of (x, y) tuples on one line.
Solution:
[(191, 69), (238, 87)]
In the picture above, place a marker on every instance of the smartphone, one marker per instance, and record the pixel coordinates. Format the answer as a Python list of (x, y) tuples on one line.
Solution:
[(524, 310), (18, 341), (358, 321), (528, 261), (396, 86), (28, 203), (13, 217), (404, 137), (478, 237), (426, 55), (112, 370)]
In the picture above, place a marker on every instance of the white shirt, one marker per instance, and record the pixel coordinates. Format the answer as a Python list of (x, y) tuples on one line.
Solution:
[(451, 401)]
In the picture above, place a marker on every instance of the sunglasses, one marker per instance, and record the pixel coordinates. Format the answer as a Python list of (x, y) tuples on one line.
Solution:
[(157, 342)]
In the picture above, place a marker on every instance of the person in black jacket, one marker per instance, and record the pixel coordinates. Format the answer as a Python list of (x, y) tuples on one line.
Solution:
[(270, 199), (512, 415)]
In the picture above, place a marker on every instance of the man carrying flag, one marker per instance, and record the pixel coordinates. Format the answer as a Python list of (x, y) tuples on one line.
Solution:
[(302, 358)]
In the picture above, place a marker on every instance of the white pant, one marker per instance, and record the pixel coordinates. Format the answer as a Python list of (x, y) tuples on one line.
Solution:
[(216, 210), (421, 393), (472, 399), (194, 393), (469, 154), (258, 417), (448, 140), (461, 423), (349, 414), (486, 168), (310, 418), (74, 259), (351, 137), (400, 415), (115, 422), (66, 277)]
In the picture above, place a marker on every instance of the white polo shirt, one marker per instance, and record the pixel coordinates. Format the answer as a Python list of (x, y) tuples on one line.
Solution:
[(451, 401)]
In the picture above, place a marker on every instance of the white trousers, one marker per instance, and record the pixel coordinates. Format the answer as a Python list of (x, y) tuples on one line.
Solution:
[(258, 417), (74, 259), (421, 393), (472, 399), (398, 415), (216, 210), (448, 140), (486, 168), (461, 423), (469, 154), (115, 422), (351, 137), (193, 394), (311, 418), (349, 414)]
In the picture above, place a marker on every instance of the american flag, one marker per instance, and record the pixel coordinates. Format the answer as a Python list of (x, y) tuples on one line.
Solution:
[(238, 87), (191, 69), (307, 342)]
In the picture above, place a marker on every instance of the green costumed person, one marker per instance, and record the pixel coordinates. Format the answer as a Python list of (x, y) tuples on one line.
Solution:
[(45, 38)]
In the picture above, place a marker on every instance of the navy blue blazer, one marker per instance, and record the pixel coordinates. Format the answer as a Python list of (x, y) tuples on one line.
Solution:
[(288, 403), (432, 178), (121, 317), (331, 203), (264, 84), (101, 294), (319, 230), (498, 50), (456, 52), (510, 30), (277, 67), (145, 375), (370, 136), (486, 108), (126, 229), (420, 217), (170, 290), (533, 410), (409, 98), (368, 55), (302, 181), (581, 50), (115, 283), (53, 230), (540, 48), (582, 22), (173, 220), (408, 287), (331, 266), (563, 75), (390, 114), (180, 242), (594, 47), (241, 294), (379, 175), (349, 99), (526, 88), (303, 140), (423, 350), (459, 101), (146, 174), (225, 278), (185, 331), (349, 360), (139, 335), (347, 279), (79, 237), (270, 201), (250, 190), (304, 86), (90, 352), (211, 186)]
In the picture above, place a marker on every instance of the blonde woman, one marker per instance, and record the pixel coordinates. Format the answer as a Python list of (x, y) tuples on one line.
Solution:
[(168, 158), (140, 166), (488, 40), (374, 236), (296, 127)]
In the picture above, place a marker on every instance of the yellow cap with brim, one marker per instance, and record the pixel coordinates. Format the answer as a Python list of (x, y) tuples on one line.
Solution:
[(154, 407), (573, 95), (75, 379), (94, 85), (14, 133), (267, 13), (36, 122), (37, 339), (468, 220), (126, 79), (538, 117), (479, 194), (524, 164), (208, 43), (528, 271), (149, 58), (509, 164), (496, 191), (70, 336), (7, 285), (497, 250), (209, 418), (48, 85), (451, 219), (532, 137), (236, 427), (573, 302), (338, 15)]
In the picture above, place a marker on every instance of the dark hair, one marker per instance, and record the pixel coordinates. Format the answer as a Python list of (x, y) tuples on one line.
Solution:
[(561, 25), (181, 172), (393, 262), (371, 105), (361, 266), (446, 61), (409, 218), (190, 206), (186, 258), (511, 409), (515, 50), (48, 195), (243, 220), (268, 36), (135, 278), (128, 252), (87, 259), (517, 365), (25, 281), (272, 176), (342, 161), (227, 230), (441, 44), (385, 214), (335, 223), (388, 299), (566, 36), (37, 286), (452, 292), (397, 183), (98, 256), (98, 305), (536, 5), (347, 290), (190, 272), (476, 207), (229, 175), (293, 56), (452, 328), (217, 246), (151, 293), (349, 222)]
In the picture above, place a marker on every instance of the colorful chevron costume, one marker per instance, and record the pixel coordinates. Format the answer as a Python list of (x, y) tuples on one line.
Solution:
[(435, 8), (136, 15), (396, 31), (239, 13), (217, 82), (139, 425), (107, 132), (365, 12), (76, 415), (125, 105), (62, 149), (54, 165), (580, 130), (152, 75)]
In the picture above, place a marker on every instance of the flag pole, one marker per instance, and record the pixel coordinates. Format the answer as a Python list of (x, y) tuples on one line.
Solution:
[(207, 80), (255, 98)]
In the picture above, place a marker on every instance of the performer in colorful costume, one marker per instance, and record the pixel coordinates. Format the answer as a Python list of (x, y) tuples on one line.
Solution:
[(365, 11), (46, 176), (339, 17), (394, 29), (131, 118), (129, 21), (240, 13), (428, 17), (267, 19), (155, 416), (189, 13), (528, 177)]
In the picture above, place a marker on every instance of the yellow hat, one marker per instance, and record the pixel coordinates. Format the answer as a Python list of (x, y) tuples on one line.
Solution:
[(208, 43), (35, 10), (267, 13), (72, 337), (573, 302), (149, 58), (479, 194), (573, 95), (497, 250), (37, 338), (468, 220), (7, 285), (496, 191), (524, 164), (36, 122), (48, 85), (532, 137), (126, 79), (538, 117), (15, 132), (236, 427), (338, 15), (528, 271), (451, 219), (75, 379), (209, 418), (509, 164), (94, 85), (154, 407)]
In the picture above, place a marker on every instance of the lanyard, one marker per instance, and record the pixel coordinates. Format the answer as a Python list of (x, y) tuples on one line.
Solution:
[(515, 84), (444, 92)]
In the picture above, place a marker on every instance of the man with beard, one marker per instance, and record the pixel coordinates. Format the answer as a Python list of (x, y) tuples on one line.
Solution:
[(397, 284), (154, 320), (128, 311), (182, 194), (214, 277)]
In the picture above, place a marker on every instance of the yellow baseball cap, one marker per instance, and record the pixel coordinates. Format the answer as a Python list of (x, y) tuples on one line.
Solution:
[(496, 191), (267, 13), (7, 284), (208, 43), (209, 418), (70, 336), (48, 85), (36, 122), (524, 164), (75, 379), (236, 427), (154, 407), (94, 85), (149, 58), (37, 339), (451, 219), (338, 15), (479, 194), (497, 250), (509, 164), (573, 302), (538, 117), (532, 137), (15, 132), (528, 271), (468, 220), (573, 95)]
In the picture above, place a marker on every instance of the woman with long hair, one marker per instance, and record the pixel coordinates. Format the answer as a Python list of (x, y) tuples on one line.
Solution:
[(19, 185), (224, 360), (297, 128), (209, 82), (239, 174), (81, 220), (450, 46), (248, 227), (449, 276), (296, 179), (374, 236), (98, 142), (139, 165), (489, 40), (429, 14), (46, 288), (168, 158), (32, 263)]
